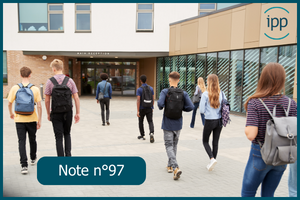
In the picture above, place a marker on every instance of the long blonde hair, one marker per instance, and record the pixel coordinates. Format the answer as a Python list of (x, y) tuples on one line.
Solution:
[(213, 89), (201, 84)]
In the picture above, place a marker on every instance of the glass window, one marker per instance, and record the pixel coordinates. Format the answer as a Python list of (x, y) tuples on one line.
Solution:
[(55, 16), (201, 66), (33, 17), (83, 17), (159, 76), (268, 55), (225, 5), (144, 17), (223, 71), (190, 75), (204, 8), (288, 61), (182, 72), (4, 67), (71, 68), (235, 80), (251, 69), (207, 6), (211, 63)]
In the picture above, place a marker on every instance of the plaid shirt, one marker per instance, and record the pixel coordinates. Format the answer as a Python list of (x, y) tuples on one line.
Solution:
[(59, 78)]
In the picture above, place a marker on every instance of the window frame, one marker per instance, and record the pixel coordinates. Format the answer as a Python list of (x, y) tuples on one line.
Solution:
[(144, 11), (206, 10), (6, 70), (83, 12), (56, 12)]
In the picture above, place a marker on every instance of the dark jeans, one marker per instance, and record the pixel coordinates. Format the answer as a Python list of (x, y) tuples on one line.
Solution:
[(22, 129), (62, 123), (211, 125), (257, 172), (148, 113), (105, 102), (196, 106)]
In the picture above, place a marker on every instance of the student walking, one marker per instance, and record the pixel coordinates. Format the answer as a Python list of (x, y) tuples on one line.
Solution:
[(270, 85), (103, 95), (145, 103), (200, 88), (174, 100), (25, 96), (210, 105), (61, 88)]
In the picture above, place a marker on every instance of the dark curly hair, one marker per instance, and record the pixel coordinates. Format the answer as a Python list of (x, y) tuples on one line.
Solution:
[(103, 76)]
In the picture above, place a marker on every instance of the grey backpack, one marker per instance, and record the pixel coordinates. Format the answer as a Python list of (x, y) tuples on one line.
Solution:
[(280, 146)]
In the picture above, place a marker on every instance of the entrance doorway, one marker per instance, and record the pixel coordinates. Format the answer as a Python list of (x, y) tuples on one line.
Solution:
[(121, 78)]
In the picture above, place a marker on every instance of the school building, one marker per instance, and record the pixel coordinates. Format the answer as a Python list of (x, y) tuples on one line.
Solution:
[(234, 41)]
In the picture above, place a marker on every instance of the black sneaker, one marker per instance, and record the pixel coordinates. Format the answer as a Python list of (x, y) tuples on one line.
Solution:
[(151, 137), (33, 162), (141, 137), (24, 170), (103, 124)]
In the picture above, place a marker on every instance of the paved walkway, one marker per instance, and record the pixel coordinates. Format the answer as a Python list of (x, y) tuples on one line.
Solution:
[(90, 138)]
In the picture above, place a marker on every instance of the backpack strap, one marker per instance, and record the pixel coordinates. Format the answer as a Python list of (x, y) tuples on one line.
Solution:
[(30, 85), (54, 81), (288, 109), (20, 85), (266, 107), (65, 81), (274, 110)]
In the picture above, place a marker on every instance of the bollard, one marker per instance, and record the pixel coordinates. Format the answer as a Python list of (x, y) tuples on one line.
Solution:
[(41, 87)]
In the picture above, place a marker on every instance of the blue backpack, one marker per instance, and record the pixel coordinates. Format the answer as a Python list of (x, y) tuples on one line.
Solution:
[(24, 103)]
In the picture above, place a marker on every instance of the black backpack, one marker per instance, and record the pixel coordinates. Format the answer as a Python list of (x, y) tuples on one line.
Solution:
[(61, 96), (174, 103), (147, 97)]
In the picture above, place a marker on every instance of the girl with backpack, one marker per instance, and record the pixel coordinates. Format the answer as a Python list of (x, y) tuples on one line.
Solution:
[(210, 105), (200, 88), (270, 85)]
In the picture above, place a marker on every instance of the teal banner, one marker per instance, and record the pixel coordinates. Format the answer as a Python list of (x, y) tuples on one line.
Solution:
[(91, 170)]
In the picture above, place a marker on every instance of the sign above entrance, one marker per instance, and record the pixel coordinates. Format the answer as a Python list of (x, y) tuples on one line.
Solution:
[(92, 53)]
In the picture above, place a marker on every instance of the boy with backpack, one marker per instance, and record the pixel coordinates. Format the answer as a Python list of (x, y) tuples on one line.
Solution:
[(61, 88), (174, 100), (25, 96), (145, 102)]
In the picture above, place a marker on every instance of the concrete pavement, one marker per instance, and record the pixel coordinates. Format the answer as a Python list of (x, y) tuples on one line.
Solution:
[(90, 138)]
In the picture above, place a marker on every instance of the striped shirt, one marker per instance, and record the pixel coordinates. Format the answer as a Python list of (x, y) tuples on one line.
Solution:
[(60, 78), (258, 116)]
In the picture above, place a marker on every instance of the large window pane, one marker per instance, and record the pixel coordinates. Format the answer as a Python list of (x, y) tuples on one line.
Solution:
[(200, 66), (83, 22), (145, 21), (4, 67), (33, 17), (223, 71), (83, 7), (159, 76), (268, 55), (207, 6), (182, 72), (235, 79), (287, 58), (174, 63), (145, 6), (56, 21), (251, 69), (190, 75), (211, 64), (167, 72), (55, 7), (225, 5)]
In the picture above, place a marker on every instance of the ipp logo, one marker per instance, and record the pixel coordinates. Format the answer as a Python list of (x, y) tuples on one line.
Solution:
[(276, 24)]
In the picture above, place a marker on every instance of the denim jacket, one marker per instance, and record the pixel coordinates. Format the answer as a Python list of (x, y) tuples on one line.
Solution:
[(100, 88)]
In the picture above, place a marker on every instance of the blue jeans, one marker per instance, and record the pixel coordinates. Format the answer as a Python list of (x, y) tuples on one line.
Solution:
[(293, 180), (196, 106), (257, 172)]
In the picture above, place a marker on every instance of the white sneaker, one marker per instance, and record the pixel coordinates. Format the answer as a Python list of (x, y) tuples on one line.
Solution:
[(24, 170), (33, 162), (211, 165)]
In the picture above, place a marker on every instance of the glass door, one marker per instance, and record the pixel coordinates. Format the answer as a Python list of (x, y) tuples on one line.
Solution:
[(88, 81), (128, 82), (116, 81)]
